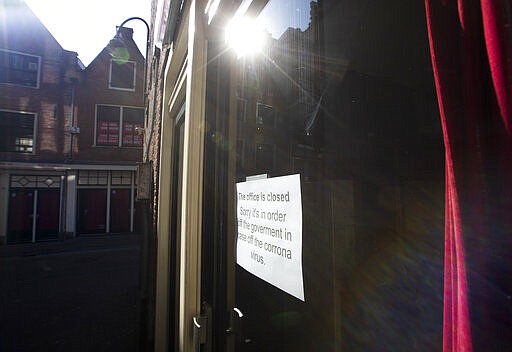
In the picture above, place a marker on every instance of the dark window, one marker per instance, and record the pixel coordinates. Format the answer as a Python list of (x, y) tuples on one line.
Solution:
[(264, 114), (17, 132), (92, 177), (122, 74), (114, 122), (264, 157), (120, 178), (19, 69)]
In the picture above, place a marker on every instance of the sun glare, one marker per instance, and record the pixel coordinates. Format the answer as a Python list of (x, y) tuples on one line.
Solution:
[(245, 36)]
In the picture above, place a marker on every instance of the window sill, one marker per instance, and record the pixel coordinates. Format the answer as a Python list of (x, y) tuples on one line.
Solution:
[(12, 85), (122, 89), (116, 146)]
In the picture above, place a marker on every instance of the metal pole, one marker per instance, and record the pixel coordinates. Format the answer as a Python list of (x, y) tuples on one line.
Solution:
[(147, 49), (147, 250)]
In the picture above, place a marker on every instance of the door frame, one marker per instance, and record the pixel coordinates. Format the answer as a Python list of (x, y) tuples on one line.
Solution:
[(31, 216), (35, 182), (112, 209), (185, 80), (79, 228)]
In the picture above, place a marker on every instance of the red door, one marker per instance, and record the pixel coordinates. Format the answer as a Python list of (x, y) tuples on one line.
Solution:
[(21, 209), (92, 209), (48, 205), (120, 210)]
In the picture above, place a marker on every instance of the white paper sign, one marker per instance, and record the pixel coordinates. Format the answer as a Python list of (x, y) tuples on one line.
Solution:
[(269, 243)]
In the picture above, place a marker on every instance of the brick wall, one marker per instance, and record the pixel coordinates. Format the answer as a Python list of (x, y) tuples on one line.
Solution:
[(24, 33), (94, 90), (155, 106), (59, 74)]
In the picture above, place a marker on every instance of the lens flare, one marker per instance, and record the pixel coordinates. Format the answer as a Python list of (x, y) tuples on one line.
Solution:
[(245, 36)]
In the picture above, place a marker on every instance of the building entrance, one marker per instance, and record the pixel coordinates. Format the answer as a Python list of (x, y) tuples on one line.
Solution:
[(34, 208), (120, 208), (92, 211)]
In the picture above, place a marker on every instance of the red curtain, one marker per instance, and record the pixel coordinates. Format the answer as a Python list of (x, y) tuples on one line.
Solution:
[(470, 44)]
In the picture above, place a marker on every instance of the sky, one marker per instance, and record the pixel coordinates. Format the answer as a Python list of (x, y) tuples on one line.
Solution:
[(87, 26), (279, 15)]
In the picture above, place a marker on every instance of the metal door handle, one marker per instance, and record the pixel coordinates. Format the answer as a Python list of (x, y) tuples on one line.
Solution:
[(234, 321), (235, 325)]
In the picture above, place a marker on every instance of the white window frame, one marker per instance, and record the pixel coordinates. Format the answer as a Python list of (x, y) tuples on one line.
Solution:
[(38, 80), (262, 122), (34, 131), (121, 126), (110, 86)]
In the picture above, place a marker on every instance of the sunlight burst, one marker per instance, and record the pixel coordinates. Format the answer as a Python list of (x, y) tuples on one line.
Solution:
[(245, 36)]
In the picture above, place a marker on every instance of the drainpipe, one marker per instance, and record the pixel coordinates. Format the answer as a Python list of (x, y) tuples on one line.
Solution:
[(72, 129), (62, 206)]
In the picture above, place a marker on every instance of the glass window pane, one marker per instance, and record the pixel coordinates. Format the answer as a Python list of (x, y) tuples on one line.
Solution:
[(19, 69), (102, 177), (92, 177), (121, 177), (133, 114), (133, 122), (16, 132), (341, 94), (264, 114), (122, 74), (108, 121)]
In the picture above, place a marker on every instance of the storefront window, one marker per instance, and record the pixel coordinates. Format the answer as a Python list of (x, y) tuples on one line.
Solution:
[(341, 93)]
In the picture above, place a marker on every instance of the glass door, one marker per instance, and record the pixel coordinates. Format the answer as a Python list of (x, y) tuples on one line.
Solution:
[(340, 96)]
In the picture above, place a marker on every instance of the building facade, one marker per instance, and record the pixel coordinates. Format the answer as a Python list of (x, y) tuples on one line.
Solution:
[(110, 117), (70, 134), (334, 189)]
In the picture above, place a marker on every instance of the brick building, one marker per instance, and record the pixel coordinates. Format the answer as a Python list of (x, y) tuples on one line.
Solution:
[(110, 117), (70, 136)]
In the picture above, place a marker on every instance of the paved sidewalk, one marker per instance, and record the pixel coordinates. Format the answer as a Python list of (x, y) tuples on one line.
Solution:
[(88, 242)]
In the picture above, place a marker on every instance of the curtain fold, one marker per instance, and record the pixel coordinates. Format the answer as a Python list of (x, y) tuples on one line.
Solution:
[(497, 24), (470, 44)]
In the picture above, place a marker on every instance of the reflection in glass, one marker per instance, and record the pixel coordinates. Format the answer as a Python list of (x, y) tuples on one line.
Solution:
[(342, 94), (282, 87)]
